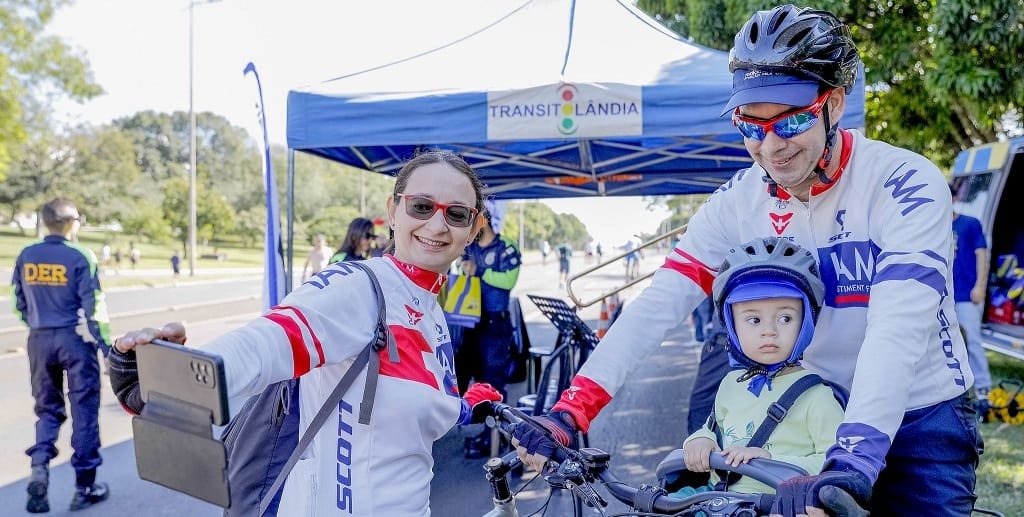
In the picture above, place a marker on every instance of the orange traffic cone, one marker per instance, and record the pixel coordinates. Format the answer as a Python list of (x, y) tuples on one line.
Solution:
[(602, 322), (613, 308)]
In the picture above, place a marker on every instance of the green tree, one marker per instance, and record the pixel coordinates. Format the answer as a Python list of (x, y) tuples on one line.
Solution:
[(543, 224), (942, 75), (250, 225), (214, 216), (146, 220), (35, 69), (226, 158), (94, 166)]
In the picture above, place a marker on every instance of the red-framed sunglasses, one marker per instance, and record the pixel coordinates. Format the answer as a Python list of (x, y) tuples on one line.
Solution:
[(423, 208), (787, 124)]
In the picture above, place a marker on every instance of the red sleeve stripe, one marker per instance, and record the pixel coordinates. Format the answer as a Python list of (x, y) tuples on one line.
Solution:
[(316, 340), (300, 354), (583, 400), (693, 269)]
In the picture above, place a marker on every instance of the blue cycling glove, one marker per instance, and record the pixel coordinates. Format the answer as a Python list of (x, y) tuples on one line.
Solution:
[(793, 495), (559, 424)]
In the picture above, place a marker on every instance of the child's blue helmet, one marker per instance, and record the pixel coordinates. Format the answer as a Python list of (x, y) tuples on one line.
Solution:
[(768, 268)]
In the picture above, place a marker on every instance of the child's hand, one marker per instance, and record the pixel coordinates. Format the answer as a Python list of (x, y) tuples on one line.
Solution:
[(737, 455), (697, 454)]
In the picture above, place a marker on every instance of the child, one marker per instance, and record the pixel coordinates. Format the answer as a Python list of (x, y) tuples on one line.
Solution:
[(768, 293)]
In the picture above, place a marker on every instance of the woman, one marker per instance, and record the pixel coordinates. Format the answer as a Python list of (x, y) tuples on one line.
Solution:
[(357, 243), (385, 467)]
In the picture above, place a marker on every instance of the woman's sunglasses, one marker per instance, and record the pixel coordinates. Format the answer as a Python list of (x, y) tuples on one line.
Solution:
[(423, 208), (787, 125)]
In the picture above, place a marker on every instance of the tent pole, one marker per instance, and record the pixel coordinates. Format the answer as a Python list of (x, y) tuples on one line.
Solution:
[(288, 278)]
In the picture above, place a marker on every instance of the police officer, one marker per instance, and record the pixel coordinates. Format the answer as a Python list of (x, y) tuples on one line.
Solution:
[(486, 350), (57, 294)]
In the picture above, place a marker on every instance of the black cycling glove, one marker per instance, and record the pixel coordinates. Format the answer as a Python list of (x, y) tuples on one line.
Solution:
[(559, 425), (793, 495), (124, 379)]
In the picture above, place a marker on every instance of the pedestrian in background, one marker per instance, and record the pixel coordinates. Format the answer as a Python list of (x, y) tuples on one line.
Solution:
[(486, 350), (134, 255), (318, 258), (564, 256), (176, 266), (357, 243), (54, 281), (970, 279)]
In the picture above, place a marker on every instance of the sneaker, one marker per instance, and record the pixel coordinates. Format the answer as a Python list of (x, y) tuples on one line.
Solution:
[(89, 495), (37, 487)]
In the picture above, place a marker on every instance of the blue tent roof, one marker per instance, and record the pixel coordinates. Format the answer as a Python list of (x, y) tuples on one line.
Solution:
[(546, 98)]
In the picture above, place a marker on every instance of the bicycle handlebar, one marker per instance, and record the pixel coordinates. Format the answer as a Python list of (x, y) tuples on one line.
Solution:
[(594, 463)]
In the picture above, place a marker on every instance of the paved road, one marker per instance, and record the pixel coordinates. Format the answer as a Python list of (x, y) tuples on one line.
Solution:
[(134, 307), (644, 422)]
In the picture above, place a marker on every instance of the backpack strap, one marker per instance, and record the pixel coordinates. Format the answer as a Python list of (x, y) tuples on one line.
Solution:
[(382, 337), (777, 411)]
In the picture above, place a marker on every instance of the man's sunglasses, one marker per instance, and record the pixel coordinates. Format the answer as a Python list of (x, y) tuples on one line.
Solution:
[(423, 208), (787, 124)]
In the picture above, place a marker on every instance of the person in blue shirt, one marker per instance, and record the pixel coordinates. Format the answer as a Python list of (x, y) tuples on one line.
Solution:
[(970, 277), (56, 289), (486, 350)]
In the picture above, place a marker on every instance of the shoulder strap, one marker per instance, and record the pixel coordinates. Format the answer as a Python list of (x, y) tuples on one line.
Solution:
[(778, 410), (776, 413), (382, 337)]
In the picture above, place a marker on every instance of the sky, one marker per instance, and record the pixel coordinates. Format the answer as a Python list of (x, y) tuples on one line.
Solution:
[(139, 53)]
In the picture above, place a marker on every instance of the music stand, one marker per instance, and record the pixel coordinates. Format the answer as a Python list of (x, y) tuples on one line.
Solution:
[(570, 326)]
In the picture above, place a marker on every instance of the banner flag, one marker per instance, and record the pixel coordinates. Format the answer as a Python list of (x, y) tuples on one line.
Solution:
[(273, 266)]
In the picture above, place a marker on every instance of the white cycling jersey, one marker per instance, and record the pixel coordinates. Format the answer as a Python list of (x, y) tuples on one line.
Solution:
[(385, 467), (887, 330)]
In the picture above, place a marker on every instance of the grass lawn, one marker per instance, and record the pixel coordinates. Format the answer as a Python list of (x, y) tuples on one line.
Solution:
[(1001, 474), (155, 256)]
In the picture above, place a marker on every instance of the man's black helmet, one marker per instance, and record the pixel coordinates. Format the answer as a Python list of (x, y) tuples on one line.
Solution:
[(797, 41)]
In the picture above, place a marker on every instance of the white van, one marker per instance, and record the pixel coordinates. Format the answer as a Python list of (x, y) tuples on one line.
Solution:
[(989, 184)]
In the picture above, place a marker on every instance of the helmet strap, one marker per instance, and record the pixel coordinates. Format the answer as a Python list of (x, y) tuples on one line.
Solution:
[(826, 154)]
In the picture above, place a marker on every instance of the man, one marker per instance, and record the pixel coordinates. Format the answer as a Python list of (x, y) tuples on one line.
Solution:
[(318, 258), (486, 350), (55, 283), (879, 218), (564, 259), (970, 277)]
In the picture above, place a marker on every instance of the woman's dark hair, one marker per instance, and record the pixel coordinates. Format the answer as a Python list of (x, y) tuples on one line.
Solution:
[(358, 229), (426, 158), (440, 156)]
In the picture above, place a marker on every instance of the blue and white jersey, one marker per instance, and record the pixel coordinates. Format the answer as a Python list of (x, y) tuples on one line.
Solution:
[(384, 467), (887, 331)]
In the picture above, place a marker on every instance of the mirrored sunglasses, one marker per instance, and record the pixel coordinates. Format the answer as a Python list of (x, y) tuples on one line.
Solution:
[(787, 124), (423, 208)]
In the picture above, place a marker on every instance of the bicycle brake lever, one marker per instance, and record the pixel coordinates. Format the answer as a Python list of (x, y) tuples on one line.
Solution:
[(590, 496)]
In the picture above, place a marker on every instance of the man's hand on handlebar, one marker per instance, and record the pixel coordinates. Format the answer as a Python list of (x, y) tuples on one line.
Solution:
[(839, 492), (174, 331), (535, 446)]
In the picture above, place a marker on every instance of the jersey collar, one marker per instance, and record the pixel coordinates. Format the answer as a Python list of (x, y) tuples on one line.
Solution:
[(844, 160), (820, 188), (423, 278)]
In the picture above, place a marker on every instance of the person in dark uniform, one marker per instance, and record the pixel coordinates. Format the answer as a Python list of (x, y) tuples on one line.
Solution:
[(57, 294), (486, 350)]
